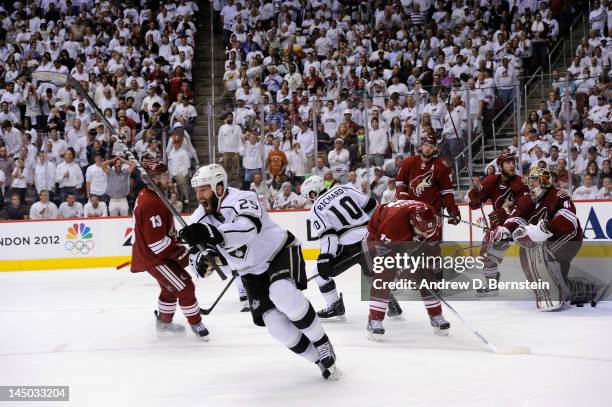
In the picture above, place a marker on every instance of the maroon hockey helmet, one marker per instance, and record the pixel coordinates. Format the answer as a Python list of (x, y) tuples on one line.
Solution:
[(424, 220), (503, 157), (429, 139), (154, 167)]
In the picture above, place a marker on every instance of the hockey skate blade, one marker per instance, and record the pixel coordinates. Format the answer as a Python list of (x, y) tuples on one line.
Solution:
[(397, 318), (375, 337), (335, 374), (513, 350), (337, 318), (441, 332)]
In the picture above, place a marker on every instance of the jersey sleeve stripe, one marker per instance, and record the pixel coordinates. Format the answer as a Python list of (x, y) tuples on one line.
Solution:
[(399, 183), (517, 220), (369, 206), (446, 191), (569, 216), (256, 221), (160, 245)]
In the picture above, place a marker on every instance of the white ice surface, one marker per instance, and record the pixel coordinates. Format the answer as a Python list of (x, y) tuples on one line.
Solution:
[(94, 331)]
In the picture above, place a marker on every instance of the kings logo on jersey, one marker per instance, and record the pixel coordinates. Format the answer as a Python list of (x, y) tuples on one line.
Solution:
[(240, 253), (421, 182)]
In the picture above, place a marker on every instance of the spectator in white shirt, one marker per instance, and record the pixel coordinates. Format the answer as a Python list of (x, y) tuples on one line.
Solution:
[(43, 209), (339, 160), (296, 163), (68, 175), (378, 143), (251, 157), (44, 175), (389, 195), (230, 136), (587, 190), (288, 199), (178, 167), (70, 208), (606, 190), (96, 178), (95, 208)]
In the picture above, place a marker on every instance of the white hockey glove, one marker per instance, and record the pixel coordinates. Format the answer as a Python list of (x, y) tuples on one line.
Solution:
[(529, 236), (539, 232), (500, 234)]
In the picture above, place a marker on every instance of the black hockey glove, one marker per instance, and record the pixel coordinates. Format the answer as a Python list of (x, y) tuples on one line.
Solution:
[(324, 265), (201, 234)]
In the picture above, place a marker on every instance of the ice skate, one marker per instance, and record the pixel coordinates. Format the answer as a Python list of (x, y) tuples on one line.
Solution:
[(375, 330), (487, 291), (200, 331), (440, 325), (334, 312), (245, 305), (327, 361), (394, 310), (167, 328)]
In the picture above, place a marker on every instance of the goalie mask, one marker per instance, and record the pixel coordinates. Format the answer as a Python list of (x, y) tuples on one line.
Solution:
[(538, 181), (312, 187)]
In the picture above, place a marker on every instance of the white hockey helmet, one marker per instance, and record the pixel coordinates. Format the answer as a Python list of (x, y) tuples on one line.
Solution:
[(314, 184), (212, 175)]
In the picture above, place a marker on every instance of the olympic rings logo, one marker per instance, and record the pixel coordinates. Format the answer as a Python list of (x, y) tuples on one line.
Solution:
[(80, 246)]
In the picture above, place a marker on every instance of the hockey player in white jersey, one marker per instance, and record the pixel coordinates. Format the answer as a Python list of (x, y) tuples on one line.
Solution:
[(339, 216), (269, 261), (202, 266)]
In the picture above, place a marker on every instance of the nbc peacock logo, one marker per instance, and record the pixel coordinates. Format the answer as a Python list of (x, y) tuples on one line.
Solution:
[(78, 239)]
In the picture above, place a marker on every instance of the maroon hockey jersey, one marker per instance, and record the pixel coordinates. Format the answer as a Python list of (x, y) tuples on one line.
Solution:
[(430, 182), (557, 210), (503, 196), (154, 234)]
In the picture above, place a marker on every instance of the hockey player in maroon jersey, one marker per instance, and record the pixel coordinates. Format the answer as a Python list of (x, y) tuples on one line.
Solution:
[(428, 178), (410, 222), (156, 251), (545, 226), (503, 190)]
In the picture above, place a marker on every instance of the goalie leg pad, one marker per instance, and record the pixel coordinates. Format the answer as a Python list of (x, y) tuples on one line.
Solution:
[(540, 266)]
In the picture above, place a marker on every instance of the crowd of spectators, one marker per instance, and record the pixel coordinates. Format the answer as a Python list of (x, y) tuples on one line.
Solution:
[(571, 133), (135, 60), (307, 82)]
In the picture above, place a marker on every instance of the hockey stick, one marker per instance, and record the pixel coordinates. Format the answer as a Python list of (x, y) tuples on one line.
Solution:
[(209, 310), (506, 350), (467, 222), (62, 78)]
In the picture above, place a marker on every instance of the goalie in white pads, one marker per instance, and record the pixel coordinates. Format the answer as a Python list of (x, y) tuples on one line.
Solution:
[(339, 216), (269, 262)]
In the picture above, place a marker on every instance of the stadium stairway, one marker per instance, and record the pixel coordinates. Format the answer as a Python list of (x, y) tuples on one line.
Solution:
[(538, 90), (202, 77)]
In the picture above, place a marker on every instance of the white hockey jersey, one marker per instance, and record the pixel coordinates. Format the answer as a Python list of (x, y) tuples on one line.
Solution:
[(252, 239), (340, 216)]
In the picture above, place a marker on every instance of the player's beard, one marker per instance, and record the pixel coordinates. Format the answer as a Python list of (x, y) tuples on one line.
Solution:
[(508, 174)]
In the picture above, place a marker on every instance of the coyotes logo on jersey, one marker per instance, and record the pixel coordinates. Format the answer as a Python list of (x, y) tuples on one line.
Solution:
[(505, 201), (420, 183)]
